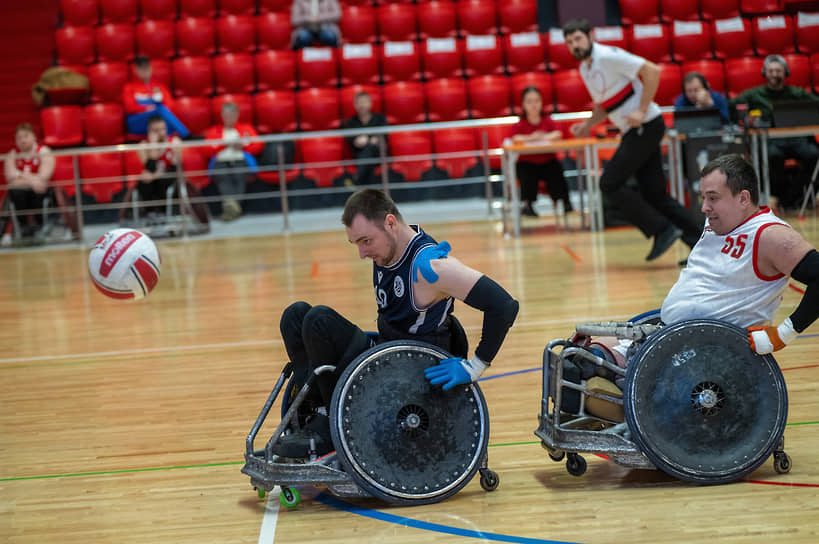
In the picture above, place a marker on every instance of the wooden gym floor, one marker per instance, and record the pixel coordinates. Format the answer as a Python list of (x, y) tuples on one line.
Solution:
[(125, 422)]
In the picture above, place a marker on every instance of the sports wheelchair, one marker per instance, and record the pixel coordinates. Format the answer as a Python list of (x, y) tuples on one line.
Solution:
[(696, 401), (396, 437)]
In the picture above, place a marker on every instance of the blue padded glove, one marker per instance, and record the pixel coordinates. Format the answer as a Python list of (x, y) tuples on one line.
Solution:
[(455, 371), (422, 261)]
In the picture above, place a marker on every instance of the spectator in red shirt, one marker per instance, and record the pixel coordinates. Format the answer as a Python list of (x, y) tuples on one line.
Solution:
[(536, 126), (146, 98), (231, 165)]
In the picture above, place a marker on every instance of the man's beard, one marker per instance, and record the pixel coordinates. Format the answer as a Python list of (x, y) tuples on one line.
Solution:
[(775, 82), (582, 54)]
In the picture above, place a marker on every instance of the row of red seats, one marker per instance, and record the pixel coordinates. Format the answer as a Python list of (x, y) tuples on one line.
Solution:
[(654, 11), (92, 12), (446, 99)]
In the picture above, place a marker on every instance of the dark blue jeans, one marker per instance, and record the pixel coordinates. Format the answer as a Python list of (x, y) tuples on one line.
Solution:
[(138, 122), (305, 37)]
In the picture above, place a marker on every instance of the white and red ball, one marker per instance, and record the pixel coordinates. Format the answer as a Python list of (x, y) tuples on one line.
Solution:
[(124, 264)]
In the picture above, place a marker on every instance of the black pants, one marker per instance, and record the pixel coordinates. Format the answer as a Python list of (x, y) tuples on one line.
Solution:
[(318, 335), (156, 190), (365, 173), (229, 182), (530, 173), (650, 209), (805, 151)]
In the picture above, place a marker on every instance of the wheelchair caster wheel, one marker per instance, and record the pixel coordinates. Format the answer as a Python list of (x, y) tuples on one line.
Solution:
[(557, 456), (575, 464), (260, 492), (782, 462), (489, 480), (289, 497)]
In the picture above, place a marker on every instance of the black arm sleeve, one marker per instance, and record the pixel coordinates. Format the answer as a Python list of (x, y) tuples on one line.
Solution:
[(150, 165), (499, 312), (807, 272)]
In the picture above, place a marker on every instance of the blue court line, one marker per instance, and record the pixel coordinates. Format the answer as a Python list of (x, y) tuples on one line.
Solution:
[(339, 504)]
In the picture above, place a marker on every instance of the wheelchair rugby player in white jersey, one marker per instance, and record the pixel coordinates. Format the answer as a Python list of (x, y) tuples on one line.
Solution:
[(691, 389)]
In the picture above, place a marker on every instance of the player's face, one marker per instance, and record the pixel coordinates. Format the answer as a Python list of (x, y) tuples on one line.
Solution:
[(579, 44), (532, 105), (724, 211), (692, 90), (376, 242), (157, 132), (25, 140), (363, 105), (775, 75), (230, 116)]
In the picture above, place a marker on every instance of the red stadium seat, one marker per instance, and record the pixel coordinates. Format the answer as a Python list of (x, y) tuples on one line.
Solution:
[(358, 63), (75, 45), (102, 175), (750, 7), (406, 144), (273, 31), (280, 6), (155, 39), (437, 20), (814, 68), (639, 12), (104, 124), (541, 81), (160, 71), (243, 101), (679, 10), (275, 111), (79, 12), (195, 166), (62, 126), (558, 54), (570, 92), (396, 22), (197, 8), (158, 10), (670, 84), (195, 36), (234, 73), (404, 102), (63, 176), (713, 70), (489, 96), (194, 112), (495, 136), (799, 66), (807, 32), (347, 95), (612, 35), (524, 52), (236, 34), (732, 38), (691, 40), (483, 55), (454, 140), (115, 41), (400, 61), (742, 73), (446, 99), (773, 34), (357, 24), (719, 9), (517, 16), (317, 67), (275, 69), (319, 150), (318, 109), (106, 80), (192, 76), (652, 42), (118, 11), (477, 16), (442, 57), (237, 7)]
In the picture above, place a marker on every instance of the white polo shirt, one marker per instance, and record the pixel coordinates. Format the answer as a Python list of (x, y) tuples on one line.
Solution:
[(612, 82)]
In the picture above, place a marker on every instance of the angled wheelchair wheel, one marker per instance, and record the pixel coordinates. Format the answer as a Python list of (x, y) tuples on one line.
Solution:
[(702, 405), (401, 439)]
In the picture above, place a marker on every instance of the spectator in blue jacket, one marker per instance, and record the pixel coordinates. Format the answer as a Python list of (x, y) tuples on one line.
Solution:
[(698, 94)]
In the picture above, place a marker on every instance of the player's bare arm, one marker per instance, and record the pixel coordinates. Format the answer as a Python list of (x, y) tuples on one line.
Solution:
[(650, 75)]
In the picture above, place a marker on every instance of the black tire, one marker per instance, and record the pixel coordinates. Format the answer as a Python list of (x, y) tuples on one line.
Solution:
[(575, 464)]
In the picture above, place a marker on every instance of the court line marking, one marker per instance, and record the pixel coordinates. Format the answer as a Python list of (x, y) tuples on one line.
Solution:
[(267, 534)]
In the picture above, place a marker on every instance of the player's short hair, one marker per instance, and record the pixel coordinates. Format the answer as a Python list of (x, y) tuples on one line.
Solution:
[(142, 61), (573, 25), (373, 204), (232, 106), (361, 94), (24, 126), (739, 174), (155, 119)]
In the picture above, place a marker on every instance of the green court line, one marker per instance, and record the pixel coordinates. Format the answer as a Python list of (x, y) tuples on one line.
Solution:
[(803, 423)]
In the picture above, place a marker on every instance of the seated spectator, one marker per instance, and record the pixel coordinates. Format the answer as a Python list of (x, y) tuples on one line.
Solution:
[(698, 94), (365, 146), (315, 20), (229, 164), (803, 148), (28, 169), (146, 98), (536, 126)]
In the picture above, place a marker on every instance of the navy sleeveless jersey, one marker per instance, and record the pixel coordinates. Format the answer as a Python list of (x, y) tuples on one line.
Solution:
[(393, 292)]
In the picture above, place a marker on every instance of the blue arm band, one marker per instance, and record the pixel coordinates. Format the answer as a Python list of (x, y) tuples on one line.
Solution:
[(423, 257)]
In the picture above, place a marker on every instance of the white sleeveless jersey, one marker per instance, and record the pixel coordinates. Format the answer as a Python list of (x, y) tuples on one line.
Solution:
[(722, 279)]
